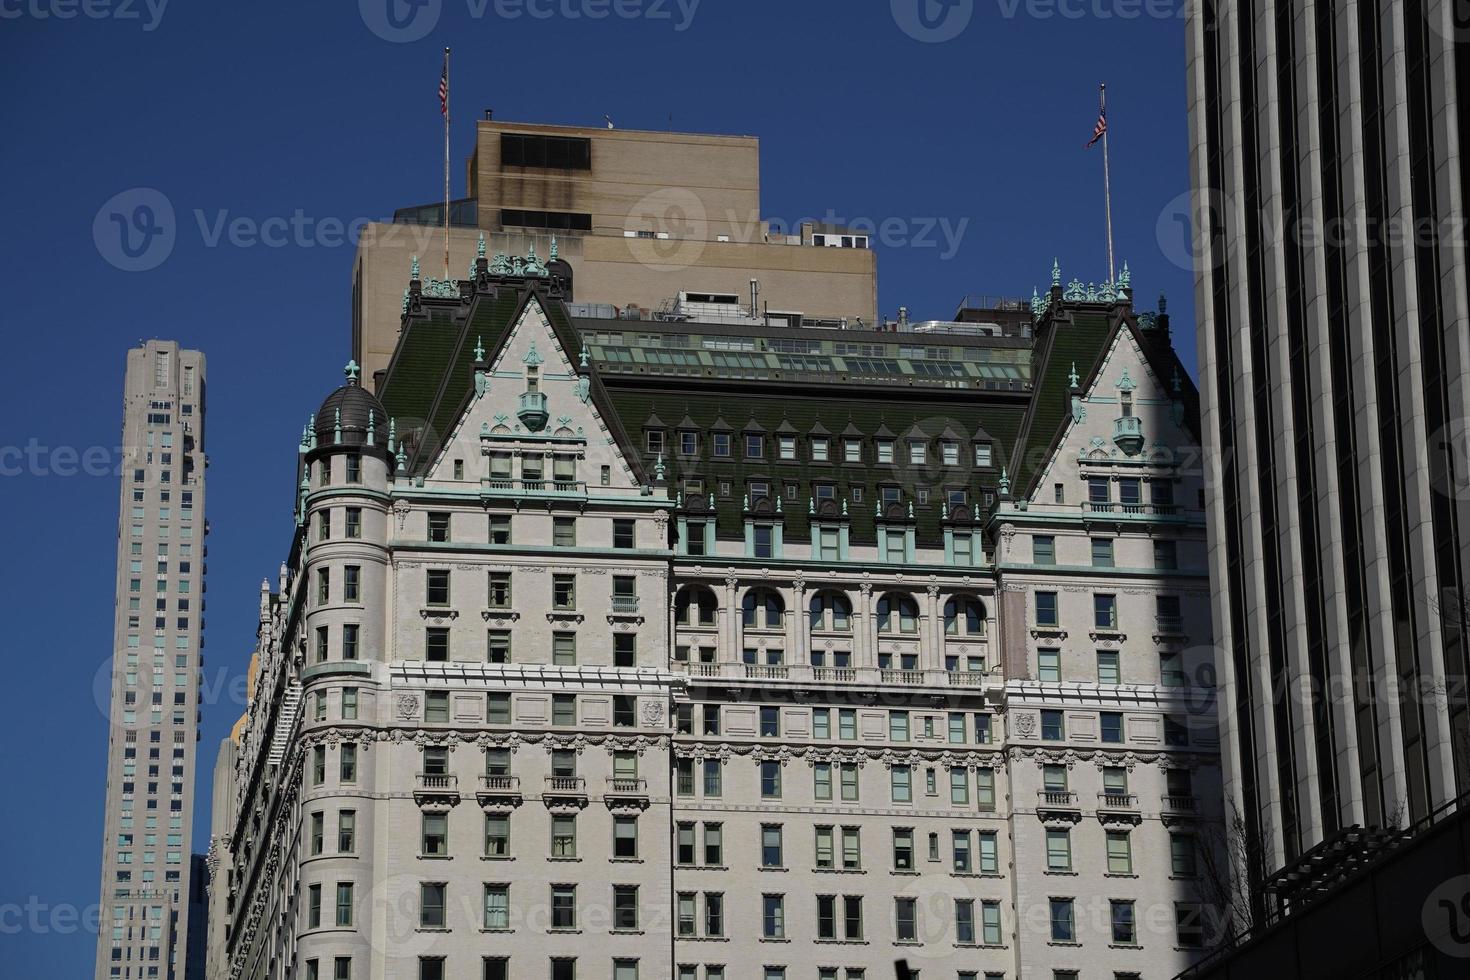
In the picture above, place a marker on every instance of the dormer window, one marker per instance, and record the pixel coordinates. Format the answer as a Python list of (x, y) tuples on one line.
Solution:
[(759, 489), (950, 453), (819, 450), (755, 447), (917, 451), (688, 444), (982, 454), (655, 440), (721, 444), (788, 447), (852, 450), (885, 450)]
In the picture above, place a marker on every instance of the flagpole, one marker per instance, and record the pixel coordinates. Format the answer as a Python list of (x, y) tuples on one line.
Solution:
[(1102, 96), (446, 165)]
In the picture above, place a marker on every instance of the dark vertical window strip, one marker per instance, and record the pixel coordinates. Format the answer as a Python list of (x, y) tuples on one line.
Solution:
[(1433, 377), (1221, 330), (1386, 377), (1344, 408), (1304, 436), (1253, 114)]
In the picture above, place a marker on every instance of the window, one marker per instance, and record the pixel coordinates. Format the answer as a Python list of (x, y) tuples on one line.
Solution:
[(347, 763), (754, 446), (564, 709), (1111, 725), (563, 968), (1120, 853), (497, 835), (720, 442), (435, 841), (497, 708), (1107, 667), (655, 440), (1063, 923), (354, 468), (563, 906), (497, 906), (985, 789), (1058, 850), (352, 584), (1171, 669), (773, 916), (317, 832), (1102, 552), (625, 837), (1121, 914), (346, 831), (959, 786), (349, 641), (964, 920), (903, 849), (1105, 612), (564, 532), (847, 723), (1183, 861), (436, 644), (713, 777), (438, 526), (771, 849), (500, 590), (497, 646), (564, 649), (898, 726), (313, 906), (900, 784), (500, 529), (344, 904), (1098, 493), (822, 780), (989, 862), (436, 706), (1176, 731), (905, 915), (431, 908), (1046, 609), (1052, 729), (1049, 665), (1166, 554), (1189, 928), (770, 779), (625, 649), (762, 538), (564, 591), (847, 773), (623, 534), (625, 907), (983, 454), (770, 721), (960, 849)]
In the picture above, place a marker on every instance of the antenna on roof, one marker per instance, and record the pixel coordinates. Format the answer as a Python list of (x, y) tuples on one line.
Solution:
[(609, 122)]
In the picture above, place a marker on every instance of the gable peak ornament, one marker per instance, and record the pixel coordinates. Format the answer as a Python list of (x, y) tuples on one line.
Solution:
[(352, 371)]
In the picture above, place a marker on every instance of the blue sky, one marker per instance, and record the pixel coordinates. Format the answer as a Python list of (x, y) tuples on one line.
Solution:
[(307, 116)]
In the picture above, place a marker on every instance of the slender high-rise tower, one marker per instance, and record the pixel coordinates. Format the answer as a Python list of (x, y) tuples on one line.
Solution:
[(145, 892), (1330, 183)]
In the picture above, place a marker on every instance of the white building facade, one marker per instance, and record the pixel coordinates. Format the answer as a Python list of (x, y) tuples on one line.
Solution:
[(576, 673)]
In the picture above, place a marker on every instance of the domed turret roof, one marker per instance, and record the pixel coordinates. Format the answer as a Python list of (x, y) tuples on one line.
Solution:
[(349, 413)]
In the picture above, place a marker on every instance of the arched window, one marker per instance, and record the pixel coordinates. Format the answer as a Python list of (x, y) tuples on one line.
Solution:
[(898, 613), (695, 605), (762, 608), (964, 616), (831, 611)]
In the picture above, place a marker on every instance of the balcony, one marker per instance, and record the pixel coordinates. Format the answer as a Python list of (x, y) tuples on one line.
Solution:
[(499, 791), (871, 676), (966, 678), (768, 671), (441, 788), (1128, 434), (565, 792), (890, 675), (1117, 801), (533, 413), (1058, 805), (623, 791), (625, 604), (1180, 804), (840, 675)]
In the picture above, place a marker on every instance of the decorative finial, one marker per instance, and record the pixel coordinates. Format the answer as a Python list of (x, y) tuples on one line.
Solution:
[(479, 348), (372, 426), (1163, 303), (1125, 383), (911, 510), (844, 506), (811, 505), (582, 359), (745, 502), (352, 371), (414, 269), (480, 248), (337, 427), (1125, 278), (1056, 273), (553, 248), (1176, 381), (658, 468), (1005, 481), (392, 433), (1072, 378)]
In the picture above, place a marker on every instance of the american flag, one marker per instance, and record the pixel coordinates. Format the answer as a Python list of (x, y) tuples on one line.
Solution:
[(1100, 128), (444, 91)]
